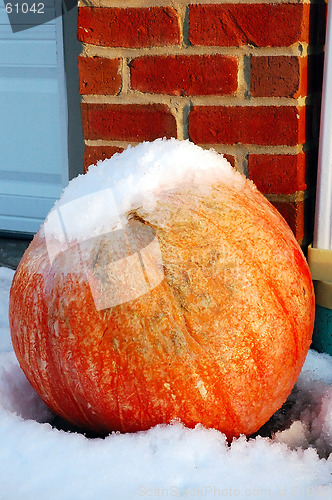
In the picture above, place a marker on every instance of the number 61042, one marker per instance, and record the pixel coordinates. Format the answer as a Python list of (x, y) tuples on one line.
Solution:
[(25, 8)]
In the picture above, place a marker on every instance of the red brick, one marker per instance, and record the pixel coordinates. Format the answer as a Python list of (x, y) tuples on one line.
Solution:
[(275, 76), (261, 25), (230, 159), (99, 75), (294, 215), (282, 174), (92, 154), (285, 76), (185, 75), (262, 125), (132, 27), (127, 122)]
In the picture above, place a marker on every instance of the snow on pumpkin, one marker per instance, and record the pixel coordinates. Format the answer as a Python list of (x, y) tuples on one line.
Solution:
[(163, 286)]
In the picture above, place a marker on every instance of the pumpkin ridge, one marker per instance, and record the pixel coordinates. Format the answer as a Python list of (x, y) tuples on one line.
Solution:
[(231, 413), (254, 207), (20, 334), (24, 345), (269, 281), (71, 386), (249, 257)]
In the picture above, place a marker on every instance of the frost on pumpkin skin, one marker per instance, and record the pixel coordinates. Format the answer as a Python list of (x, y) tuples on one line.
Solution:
[(228, 328)]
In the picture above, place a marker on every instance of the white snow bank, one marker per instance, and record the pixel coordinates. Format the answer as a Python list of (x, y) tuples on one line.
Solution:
[(38, 461), (311, 402), (97, 202)]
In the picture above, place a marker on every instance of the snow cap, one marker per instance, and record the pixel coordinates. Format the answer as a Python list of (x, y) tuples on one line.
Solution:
[(97, 202)]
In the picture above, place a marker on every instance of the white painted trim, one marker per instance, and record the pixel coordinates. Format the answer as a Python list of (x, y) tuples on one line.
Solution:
[(323, 212)]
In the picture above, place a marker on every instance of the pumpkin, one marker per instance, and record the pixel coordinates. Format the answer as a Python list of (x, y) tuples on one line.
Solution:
[(192, 301)]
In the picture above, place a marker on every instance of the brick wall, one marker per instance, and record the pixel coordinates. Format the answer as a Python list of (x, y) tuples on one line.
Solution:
[(243, 77)]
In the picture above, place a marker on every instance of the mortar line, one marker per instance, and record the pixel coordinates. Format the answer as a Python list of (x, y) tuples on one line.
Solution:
[(136, 97), (298, 49)]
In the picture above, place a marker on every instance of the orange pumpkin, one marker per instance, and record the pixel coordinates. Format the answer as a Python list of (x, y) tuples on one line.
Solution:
[(219, 339)]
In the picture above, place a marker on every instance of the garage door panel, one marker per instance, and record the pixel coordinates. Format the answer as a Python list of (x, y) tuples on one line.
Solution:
[(33, 123)]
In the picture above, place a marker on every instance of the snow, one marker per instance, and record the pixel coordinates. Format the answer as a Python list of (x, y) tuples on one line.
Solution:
[(129, 180), (40, 461)]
